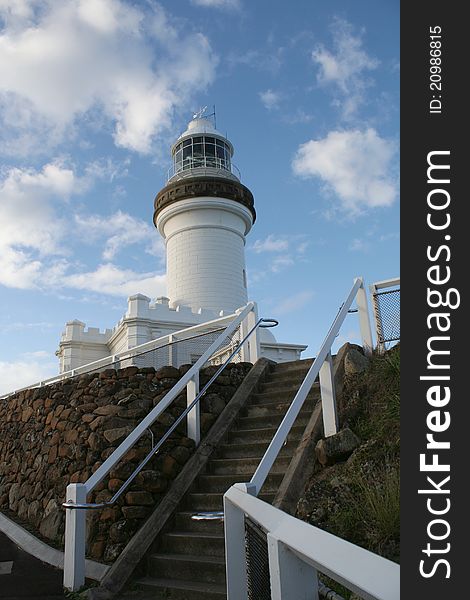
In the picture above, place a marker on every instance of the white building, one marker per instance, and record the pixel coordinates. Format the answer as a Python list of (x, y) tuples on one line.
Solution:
[(204, 214)]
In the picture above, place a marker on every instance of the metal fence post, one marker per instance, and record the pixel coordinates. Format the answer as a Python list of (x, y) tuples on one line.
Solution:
[(75, 525), (290, 576), (328, 397), (364, 321), (379, 332), (193, 417)]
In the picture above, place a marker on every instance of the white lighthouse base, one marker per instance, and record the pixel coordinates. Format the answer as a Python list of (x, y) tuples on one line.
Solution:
[(143, 322)]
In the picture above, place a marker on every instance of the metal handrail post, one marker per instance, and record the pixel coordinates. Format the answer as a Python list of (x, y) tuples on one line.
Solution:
[(75, 539), (328, 397), (194, 416)]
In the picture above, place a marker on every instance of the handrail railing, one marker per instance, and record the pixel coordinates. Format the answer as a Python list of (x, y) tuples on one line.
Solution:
[(322, 366), (297, 551), (74, 559), (108, 361), (159, 444)]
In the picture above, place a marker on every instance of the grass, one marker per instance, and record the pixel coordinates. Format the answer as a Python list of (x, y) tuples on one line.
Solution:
[(371, 517), (378, 414), (359, 499)]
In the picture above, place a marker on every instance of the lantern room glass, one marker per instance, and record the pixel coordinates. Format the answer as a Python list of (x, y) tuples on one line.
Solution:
[(201, 151)]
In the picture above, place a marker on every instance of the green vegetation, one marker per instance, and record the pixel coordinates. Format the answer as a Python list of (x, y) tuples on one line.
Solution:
[(359, 499)]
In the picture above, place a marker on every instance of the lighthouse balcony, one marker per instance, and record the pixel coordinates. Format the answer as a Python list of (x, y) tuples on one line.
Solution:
[(213, 166)]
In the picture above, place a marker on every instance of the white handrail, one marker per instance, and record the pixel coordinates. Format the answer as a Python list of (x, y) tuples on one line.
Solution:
[(74, 559), (328, 399), (296, 551), (142, 427)]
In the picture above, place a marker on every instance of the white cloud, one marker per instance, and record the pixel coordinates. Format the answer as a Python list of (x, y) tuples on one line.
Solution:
[(121, 230), (128, 64), (288, 248), (110, 279), (230, 4), (29, 221), (270, 60), (344, 68), (356, 165), (22, 326), (34, 252), (271, 244), (358, 245), (270, 99), (30, 368), (294, 302), (281, 262), (297, 117)]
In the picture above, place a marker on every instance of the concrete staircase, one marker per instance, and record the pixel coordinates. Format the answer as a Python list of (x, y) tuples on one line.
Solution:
[(187, 562)]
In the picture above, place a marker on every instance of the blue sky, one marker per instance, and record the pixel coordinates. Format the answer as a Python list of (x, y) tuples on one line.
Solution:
[(92, 94)]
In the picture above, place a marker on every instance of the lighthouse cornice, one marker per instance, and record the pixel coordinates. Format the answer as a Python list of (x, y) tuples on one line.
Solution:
[(207, 187)]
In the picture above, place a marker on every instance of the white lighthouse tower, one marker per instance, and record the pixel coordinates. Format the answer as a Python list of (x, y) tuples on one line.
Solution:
[(204, 214)]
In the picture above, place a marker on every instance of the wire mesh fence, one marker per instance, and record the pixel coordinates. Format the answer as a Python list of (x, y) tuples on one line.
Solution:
[(386, 306), (257, 562), (181, 348), (186, 348)]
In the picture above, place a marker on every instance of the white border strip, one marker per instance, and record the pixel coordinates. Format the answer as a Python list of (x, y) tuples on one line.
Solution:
[(30, 544)]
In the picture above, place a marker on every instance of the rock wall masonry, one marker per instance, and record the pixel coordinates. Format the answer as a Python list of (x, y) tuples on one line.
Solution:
[(60, 434)]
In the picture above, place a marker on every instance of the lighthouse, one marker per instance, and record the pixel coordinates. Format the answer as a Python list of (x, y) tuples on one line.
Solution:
[(204, 214)]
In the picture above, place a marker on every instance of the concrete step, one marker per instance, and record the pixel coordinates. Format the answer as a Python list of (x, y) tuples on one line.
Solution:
[(294, 373), (305, 363), (189, 567), (253, 450), (244, 466), (283, 382), (282, 395), (214, 501), (273, 420), (184, 522), (265, 434), (221, 483), (269, 408), (174, 589), (199, 544)]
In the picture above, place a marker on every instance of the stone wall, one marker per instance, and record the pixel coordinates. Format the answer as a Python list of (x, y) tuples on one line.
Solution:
[(60, 434)]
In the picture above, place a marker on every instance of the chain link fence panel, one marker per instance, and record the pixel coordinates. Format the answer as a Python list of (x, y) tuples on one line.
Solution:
[(386, 305), (257, 561)]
